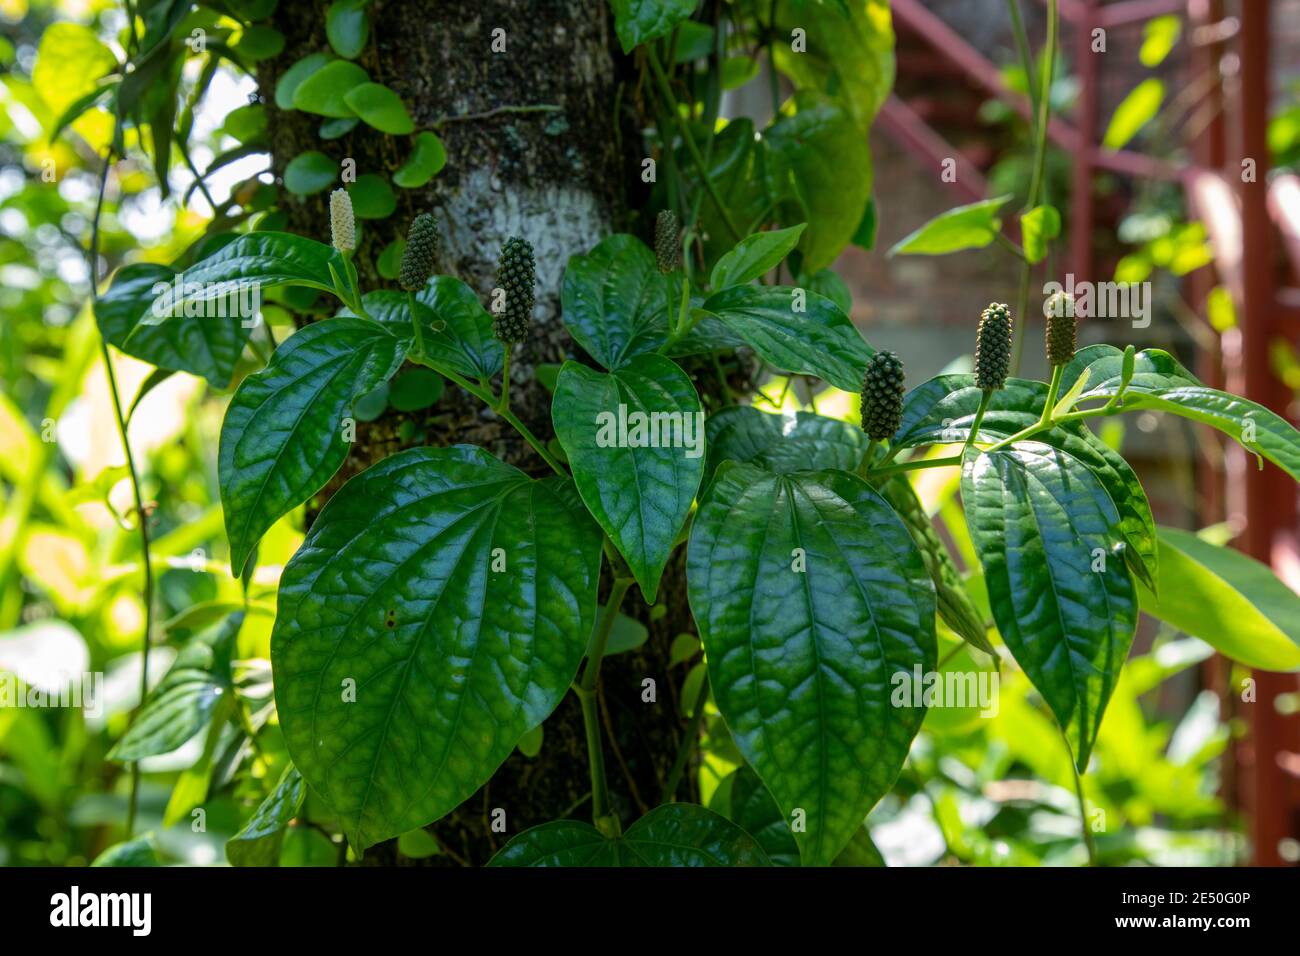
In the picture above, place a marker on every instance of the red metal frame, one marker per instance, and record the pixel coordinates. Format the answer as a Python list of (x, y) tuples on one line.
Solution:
[(1247, 221)]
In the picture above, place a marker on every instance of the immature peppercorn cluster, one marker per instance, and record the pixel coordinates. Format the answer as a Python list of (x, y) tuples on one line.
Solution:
[(993, 347), (882, 396), (516, 276), (343, 224), (1062, 328), (421, 250), (667, 241)]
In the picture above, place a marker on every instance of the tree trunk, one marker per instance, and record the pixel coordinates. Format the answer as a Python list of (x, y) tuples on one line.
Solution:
[(556, 178)]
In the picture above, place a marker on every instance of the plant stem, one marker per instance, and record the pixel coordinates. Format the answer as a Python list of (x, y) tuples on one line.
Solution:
[(985, 399), (1036, 181), (670, 102), (1026, 58), (503, 406), (1046, 419), (141, 516), (1083, 806), (491, 401), (917, 465), (586, 691), (415, 324), (687, 744)]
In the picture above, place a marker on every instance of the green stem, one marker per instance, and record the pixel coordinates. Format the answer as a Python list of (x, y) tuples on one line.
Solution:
[(1026, 59), (687, 744), (1036, 180), (985, 399), (682, 326), (1052, 390), (491, 401), (503, 405), (1083, 806), (585, 689), (415, 324), (93, 262), (917, 465), (674, 115)]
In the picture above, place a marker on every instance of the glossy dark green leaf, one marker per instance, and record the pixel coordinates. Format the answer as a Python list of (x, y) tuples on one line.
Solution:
[(201, 346), (810, 595), (457, 329), (752, 808), (409, 653), (1159, 383), (942, 410), (782, 443), (255, 261), (1227, 599), (636, 21), (754, 811), (259, 841), (284, 434), (796, 331), (1064, 601), (137, 852), (183, 703), (819, 167), (347, 27), (754, 256), (615, 301), (676, 834), (635, 440), (955, 605)]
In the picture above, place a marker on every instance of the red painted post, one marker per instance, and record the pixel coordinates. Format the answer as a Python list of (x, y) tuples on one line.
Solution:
[(1269, 499)]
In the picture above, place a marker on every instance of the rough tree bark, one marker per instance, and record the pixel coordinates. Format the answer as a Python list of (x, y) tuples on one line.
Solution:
[(558, 179)]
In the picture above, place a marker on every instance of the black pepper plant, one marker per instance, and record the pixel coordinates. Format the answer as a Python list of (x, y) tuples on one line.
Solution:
[(444, 602)]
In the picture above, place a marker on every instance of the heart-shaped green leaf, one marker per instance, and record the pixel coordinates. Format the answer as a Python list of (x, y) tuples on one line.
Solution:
[(615, 301), (819, 167), (1227, 599), (796, 331), (457, 329), (942, 410), (292, 78), (1038, 227), (676, 834), (635, 440), (436, 611), (285, 434), (372, 197), (754, 256), (426, 161), (1047, 531), (209, 347), (323, 91), (309, 173), (782, 443), (240, 271), (811, 597), (258, 843), (380, 107), (347, 27)]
